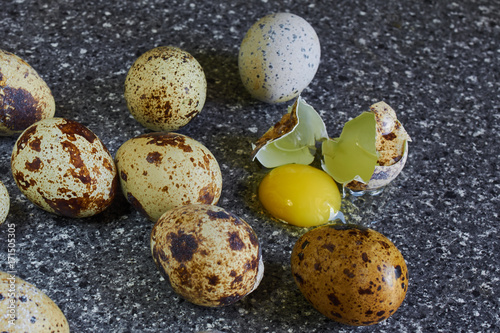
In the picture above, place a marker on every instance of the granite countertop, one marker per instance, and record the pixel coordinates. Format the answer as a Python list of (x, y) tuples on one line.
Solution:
[(437, 63)]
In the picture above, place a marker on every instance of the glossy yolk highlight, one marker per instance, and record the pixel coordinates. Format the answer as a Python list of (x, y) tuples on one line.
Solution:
[(301, 195)]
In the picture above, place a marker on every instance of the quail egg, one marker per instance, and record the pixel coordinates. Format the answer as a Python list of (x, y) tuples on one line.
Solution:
[(4, 203), (278, 57), (351, 274), (25, 308), (165, 88), (162, 170), (64, 168), (25, 97), (208, 255)]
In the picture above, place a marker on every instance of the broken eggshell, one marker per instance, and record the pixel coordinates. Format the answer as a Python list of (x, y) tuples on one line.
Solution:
[(292, 139), (391, 147)]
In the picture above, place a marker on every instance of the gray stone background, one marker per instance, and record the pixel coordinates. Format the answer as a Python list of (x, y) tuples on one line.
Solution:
[(437, 63)]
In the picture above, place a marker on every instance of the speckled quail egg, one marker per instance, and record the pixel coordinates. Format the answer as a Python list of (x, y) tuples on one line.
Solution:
[(25, 308), (25, 97), (165, 88), (4, 203), (351, 274), (208, 255), (64, 168), (162, 170), (278, 57)]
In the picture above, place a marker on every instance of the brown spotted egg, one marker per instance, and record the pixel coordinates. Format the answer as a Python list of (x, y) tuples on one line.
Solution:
[(25, 98), (209, 256), (351, 274), (25, 308), (64, 168), (162, 170), (165, 88)]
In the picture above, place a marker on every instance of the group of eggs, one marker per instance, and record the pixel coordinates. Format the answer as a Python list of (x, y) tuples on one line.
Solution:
[(208, 255)]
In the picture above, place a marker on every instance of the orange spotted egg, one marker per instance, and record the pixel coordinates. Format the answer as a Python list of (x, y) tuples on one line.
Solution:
[(351, 274)]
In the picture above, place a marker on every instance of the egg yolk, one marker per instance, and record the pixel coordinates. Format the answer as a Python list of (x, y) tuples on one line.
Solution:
[(300, 195)]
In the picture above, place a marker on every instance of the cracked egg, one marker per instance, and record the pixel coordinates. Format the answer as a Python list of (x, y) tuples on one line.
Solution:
[(370, 152), (292, 139)]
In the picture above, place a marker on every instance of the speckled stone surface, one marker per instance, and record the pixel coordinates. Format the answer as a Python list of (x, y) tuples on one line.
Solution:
[(437, 63)]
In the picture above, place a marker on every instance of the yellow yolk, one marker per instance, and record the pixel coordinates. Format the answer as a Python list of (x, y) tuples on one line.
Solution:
[(301, 195)]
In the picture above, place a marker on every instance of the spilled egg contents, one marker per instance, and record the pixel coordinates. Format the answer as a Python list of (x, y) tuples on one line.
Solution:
[(300, 195), (278, 57), (351, 274)]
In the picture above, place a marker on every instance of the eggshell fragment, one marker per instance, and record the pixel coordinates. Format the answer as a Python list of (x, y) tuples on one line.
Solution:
[(64, 168), (165, 88), (25, 308), (293, 138), (162, 170), (4, 203), (25, 97), (278, 58), (392, 148), (350, 274), (209, 256)]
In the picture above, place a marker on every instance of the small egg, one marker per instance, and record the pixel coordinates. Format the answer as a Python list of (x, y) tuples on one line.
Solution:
[(25, 97), (300, 195), (165, 88), (25, 308), (278, 57), (351, 274), (162, 170), (4, 203), (208, 255), (64, 168)]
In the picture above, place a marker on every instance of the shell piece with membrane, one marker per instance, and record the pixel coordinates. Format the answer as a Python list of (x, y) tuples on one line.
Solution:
[(353, 155), (371, 151), (292, 139)]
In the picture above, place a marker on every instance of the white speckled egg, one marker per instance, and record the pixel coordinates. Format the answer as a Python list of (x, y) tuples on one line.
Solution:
[(4, 202), (25, 308), (162, 170), (208, 255), (279, 57), (25, 98), (64, 168), (165, 88)]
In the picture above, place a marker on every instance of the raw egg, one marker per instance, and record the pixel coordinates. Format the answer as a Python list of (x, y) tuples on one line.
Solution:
[(300, 195)]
